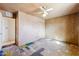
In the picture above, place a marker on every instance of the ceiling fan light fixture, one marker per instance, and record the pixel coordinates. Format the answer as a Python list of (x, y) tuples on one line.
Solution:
[(44, 11), (44, 15)]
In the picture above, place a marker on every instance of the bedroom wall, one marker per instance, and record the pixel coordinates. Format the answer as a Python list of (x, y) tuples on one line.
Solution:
[(29, 28), (63, 28), (77, 27)]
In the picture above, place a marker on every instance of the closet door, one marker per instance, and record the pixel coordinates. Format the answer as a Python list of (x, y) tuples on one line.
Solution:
[(4, 30), (11, 31), (8, 31)]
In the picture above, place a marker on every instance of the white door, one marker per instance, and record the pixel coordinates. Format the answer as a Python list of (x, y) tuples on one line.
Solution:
[(8, 31), (11, 31), (4, 30)]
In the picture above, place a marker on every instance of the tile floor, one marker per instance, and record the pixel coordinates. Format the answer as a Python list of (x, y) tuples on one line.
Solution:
[(43, 47)]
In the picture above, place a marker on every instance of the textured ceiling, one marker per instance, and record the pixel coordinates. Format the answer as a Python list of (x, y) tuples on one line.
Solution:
[(59, 9), (12, 7)]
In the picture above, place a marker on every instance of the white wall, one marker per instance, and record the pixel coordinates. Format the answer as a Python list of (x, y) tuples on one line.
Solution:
[(29, 28)]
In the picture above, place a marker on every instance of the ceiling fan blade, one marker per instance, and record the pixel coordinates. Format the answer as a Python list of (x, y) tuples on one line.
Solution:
[(42, 8), (45, 12), (49, 9)]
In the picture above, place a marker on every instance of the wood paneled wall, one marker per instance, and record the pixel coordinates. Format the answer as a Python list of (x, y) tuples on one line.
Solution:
[(63, 28)]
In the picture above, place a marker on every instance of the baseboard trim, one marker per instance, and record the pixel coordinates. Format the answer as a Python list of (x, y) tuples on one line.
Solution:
[(8, 45)]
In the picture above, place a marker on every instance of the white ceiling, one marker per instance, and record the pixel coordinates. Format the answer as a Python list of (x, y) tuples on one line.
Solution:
[(59, 9)]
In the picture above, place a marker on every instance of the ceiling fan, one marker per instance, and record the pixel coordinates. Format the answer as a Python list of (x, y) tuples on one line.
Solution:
[(44, 11)]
